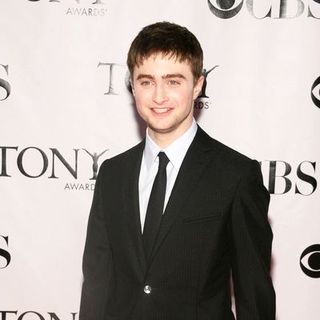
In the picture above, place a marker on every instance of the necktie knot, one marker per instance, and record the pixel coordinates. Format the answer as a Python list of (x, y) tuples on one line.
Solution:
[(163, 160)]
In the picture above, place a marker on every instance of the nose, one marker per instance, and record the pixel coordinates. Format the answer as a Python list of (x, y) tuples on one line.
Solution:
[(159, 95)]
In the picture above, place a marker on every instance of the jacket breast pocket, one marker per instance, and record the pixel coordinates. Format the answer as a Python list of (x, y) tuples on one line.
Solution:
[(202, 218)]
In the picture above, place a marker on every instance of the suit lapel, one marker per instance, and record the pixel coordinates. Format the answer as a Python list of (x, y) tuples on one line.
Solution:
[(199, 155), (193, 167), (132, 212)]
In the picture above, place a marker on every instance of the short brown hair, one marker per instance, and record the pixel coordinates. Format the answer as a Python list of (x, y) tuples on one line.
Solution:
[(169, 39)]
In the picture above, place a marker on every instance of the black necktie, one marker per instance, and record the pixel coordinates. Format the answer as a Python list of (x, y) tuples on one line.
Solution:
[(155, 205)]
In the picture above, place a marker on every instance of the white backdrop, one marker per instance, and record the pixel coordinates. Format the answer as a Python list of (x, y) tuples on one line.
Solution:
[(64, 108)]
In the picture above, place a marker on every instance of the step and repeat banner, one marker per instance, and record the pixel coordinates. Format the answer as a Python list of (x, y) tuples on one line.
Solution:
[(65, 107)]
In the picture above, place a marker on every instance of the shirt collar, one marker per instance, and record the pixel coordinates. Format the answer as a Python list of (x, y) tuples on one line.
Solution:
[(176, 151)]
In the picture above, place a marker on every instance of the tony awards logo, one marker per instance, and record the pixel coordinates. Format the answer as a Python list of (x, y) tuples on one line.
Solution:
[(33, 162), (95, 157), (203, 101), (87, 8), (32, 314), (205, 73), (117, 76)]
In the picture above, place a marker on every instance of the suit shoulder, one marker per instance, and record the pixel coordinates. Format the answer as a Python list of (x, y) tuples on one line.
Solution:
[(231, 154), (230, 158), (225, 150), (121, 159)]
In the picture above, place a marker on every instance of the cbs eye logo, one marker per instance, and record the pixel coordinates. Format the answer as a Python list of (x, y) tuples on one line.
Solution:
[(315, 92), (225, 9), (310, 261)]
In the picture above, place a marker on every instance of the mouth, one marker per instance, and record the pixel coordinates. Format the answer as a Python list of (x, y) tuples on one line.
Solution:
[(160, 111)]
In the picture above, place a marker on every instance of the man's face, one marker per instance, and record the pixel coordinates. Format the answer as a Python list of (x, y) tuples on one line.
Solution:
[(164, 91)]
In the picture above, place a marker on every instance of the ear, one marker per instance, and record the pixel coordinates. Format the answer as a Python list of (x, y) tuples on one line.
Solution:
[(132, 87), (197, 87)]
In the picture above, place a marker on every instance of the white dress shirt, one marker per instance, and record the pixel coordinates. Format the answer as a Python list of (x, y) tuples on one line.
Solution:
[(176, 152)]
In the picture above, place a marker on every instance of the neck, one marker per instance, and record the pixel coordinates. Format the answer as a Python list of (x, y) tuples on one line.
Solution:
[(164, 139)]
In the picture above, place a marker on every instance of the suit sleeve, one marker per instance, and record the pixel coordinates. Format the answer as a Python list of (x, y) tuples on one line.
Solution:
[(251, 248), (97, 260)]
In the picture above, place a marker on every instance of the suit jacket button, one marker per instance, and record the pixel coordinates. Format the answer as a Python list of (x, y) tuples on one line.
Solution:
[(147, 289)]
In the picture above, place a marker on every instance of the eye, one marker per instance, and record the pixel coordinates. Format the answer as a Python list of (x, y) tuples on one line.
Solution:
[(310, 261), (315, 92), (145, 83), (173, 82)]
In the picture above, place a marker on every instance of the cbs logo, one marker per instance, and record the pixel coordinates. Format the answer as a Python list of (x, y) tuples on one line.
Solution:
[(5, 256), (310, 261), (315, 92)]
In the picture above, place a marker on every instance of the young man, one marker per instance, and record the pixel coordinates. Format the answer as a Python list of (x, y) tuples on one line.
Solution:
[(174, 215)]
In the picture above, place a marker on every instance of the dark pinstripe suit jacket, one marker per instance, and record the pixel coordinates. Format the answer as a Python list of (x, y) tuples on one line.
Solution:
[(215, 221)]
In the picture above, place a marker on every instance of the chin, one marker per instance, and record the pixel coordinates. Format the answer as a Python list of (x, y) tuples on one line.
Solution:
[(160, 130), (163, 129)]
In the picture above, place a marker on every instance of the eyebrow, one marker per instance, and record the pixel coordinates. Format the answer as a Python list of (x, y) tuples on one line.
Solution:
[(174, 75), (166, 76)]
